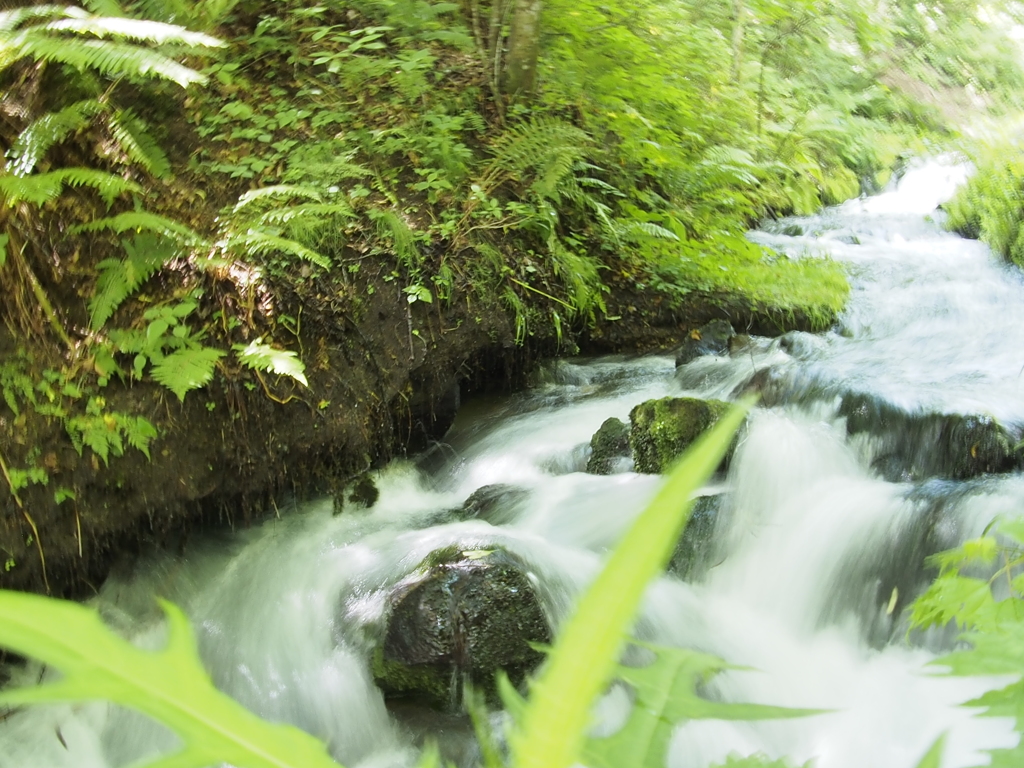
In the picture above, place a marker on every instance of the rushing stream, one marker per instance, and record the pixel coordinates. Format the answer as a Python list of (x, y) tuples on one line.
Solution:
[(818, 535)]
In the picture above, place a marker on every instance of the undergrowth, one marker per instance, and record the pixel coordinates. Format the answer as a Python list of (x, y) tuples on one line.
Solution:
[(990, 206)]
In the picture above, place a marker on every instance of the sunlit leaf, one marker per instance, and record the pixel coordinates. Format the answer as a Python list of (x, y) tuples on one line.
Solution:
[(263, 357), (169, 685), (553, 726)]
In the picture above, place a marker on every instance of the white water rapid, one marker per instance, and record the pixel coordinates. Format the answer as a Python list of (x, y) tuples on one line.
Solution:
[(810, 537)]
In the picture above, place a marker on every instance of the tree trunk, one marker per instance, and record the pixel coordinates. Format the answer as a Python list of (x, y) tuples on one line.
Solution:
[(523, 48), (739, 20)]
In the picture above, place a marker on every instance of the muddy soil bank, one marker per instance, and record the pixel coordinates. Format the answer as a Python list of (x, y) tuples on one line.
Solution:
[(380, 386)]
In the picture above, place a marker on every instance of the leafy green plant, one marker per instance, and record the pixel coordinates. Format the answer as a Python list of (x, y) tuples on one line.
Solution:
[(170, 685), (105, 432), (980, 590)]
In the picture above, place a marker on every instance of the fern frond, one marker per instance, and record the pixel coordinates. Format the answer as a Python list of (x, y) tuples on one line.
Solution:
[(254, 242), (139, 432), (315, 213), (104, 7), (391, 226), (263, 357), (110, 57), (139, 30), (119, 279), (580, 276), (286, 191), (648, 229), (547, 146), (132, 134), (38, 188), (144, 221), (186, 369), (11, 20), (52, 128)]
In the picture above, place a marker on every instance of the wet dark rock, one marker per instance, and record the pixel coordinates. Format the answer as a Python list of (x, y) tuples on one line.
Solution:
[(662, 429), (608, 445), (497, 504), (915, 445), (461, 617), (694, 554), (710, 339), (740, 344), (792, 230), (769, 384), (800, 345)]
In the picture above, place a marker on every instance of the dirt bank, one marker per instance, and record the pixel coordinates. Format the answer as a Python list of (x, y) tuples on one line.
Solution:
[(381, 384)]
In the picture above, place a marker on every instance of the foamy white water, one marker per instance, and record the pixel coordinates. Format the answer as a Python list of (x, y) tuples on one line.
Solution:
[(810, 542)]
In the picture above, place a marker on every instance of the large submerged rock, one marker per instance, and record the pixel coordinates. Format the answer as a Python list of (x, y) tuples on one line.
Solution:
[(463, 616), (662, 429)]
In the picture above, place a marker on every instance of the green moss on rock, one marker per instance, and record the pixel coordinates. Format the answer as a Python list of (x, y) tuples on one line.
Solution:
[(662, 429)]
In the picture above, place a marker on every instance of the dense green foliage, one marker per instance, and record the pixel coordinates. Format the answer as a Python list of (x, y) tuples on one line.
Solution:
[(990, 207), (352, 142), (980, 590)]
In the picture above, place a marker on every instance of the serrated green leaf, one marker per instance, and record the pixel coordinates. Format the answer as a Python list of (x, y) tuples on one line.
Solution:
[(263, 357), (553, 726), (120, 279), (666, 696), (186, 369), (143, 221), (169, 685)]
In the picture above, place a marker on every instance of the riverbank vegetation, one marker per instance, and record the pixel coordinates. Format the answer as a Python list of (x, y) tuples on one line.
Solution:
[(220, 195)]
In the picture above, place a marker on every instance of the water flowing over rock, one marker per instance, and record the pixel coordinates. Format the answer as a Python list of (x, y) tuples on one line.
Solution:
[(609, 446), (663, 429), (462, 617), (913, 446), (710, 339), (694, 554), (497, 504)]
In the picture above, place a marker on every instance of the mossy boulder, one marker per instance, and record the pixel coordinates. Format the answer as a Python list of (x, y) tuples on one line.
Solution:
[(662, 429), (608, 446), (710, 339), (460, 618)]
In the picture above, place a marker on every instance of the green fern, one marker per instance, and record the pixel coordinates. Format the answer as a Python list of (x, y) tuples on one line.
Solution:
[(134, 138), (105, 8), (38, 189), (546, 146), (256, 243), (143, 221), (186, 369), (261, 223), (391, 226), (52, 128), (71, 36), (263, 195), (263, 357), (119, 279)]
